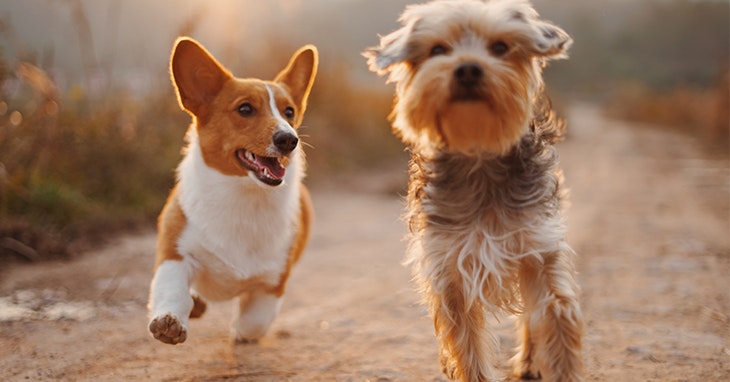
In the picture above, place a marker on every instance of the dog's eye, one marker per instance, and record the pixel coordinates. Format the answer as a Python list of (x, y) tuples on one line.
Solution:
[(246, 110), (499, 48), (289, 112), (437, 50)]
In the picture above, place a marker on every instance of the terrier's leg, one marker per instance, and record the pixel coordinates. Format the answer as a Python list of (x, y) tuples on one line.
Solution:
[(467, 346), (170, 302), (553, 320), (253, 315), (523, 363)]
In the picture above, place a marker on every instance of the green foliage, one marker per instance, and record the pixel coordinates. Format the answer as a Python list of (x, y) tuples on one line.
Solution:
[(76, 161), (76, 164)]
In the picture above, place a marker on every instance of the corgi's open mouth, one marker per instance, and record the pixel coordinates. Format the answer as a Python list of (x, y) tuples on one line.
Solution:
[(266, 169)]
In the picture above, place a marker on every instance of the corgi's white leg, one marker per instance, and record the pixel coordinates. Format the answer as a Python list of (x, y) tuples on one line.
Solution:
[(170, 302), (253, 314)]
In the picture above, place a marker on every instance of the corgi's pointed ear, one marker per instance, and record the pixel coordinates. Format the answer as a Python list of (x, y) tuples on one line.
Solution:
[(298, 76), (196, 75)]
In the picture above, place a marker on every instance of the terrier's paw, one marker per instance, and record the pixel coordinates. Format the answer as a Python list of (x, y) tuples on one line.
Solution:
[(448, 366), (527, 372), (525, 369), (528, 375), (168, 329)]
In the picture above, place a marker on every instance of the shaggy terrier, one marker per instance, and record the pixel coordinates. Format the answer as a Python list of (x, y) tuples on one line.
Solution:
[(486, 232)]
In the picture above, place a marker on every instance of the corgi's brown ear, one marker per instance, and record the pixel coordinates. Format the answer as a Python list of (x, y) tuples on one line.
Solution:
[(196, 75), (298, 76)]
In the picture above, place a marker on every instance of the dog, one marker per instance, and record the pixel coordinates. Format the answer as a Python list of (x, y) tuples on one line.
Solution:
[(238, 217), (485, 190)]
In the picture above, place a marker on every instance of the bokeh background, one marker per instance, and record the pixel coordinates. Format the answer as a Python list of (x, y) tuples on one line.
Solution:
[(90, 131)]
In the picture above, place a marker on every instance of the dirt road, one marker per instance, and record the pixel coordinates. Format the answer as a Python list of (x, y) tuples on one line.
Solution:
[(649, 219)]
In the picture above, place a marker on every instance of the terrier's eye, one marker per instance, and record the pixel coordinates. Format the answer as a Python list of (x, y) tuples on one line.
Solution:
[(499, 48), (437, 50), (289, 112), (246, 110)]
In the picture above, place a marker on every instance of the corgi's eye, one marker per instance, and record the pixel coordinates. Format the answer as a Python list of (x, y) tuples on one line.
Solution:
[(499, 48), (289, 112), (246, 110)]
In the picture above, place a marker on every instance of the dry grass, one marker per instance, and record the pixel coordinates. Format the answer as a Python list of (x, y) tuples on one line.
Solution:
[(700, 111), (77, 165), (82, 166)]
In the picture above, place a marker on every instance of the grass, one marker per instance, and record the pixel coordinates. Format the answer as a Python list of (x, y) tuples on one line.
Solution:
[(77, 165), (699, 111), (80, 166), (76, 168)]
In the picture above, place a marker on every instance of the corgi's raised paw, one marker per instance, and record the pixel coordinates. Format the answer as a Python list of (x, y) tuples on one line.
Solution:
[(168, 329)]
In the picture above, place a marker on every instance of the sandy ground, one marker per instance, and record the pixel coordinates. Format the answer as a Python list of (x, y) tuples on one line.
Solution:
[(649, 219)]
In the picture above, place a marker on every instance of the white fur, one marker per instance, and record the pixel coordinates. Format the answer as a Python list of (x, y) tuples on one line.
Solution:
[(225, 250), (170, 291), (253, 315), (227, 236), (486, 232), (237, 228), (487, 263), (282, 124)]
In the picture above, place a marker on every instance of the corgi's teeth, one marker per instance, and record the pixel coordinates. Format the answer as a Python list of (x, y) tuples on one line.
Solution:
[(250, 156)]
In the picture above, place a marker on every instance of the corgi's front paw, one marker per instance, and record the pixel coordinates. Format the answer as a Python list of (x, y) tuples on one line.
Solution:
[(168, 329)]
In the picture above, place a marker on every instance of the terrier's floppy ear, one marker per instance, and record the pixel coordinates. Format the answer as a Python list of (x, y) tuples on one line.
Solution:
[(197, 76), (298, 76), (548, 40), (391, 51)]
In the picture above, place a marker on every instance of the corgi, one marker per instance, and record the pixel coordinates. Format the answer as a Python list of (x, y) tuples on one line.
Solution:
[(238, 217)]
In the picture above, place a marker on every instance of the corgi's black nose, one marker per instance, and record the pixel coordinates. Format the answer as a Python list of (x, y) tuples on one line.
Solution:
[(285, 142)]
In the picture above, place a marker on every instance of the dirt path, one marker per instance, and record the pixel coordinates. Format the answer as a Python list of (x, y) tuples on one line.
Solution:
[(649, 219)]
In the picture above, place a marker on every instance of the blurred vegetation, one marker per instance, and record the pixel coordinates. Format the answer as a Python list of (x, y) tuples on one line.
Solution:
[(83, 160), (76, 166), (663, 44), (700, 111), (345, 128), (656, 62), (80, 164)]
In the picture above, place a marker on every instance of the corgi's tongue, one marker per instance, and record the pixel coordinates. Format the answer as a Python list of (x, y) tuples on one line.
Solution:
[(272, 165), (267, 169)]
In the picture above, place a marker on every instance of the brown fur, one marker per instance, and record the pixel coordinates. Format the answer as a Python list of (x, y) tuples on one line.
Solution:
[(485, 192), (213, 82), (196, 94), (221, 133), (170, 225)]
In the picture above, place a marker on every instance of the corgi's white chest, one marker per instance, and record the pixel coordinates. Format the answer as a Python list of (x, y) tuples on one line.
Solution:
[(237, 228)]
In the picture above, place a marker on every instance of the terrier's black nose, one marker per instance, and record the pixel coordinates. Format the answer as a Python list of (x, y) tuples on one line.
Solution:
[(468, 74), (285, 142)]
